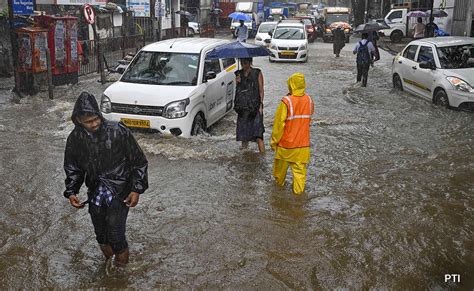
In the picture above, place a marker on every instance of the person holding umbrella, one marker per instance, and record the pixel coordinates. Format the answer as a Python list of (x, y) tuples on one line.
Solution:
[(419, 29), (242, 31), (430, 28), (249, 105)]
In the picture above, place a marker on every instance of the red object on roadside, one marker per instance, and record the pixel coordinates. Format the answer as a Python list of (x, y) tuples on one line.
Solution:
[(62, 42), (32, 45)]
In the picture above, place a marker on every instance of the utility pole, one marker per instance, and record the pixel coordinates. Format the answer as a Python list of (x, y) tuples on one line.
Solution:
[(365, 11), (14, 47)]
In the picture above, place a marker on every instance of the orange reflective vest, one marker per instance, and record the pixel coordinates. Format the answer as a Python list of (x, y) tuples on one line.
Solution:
[(296, 132)]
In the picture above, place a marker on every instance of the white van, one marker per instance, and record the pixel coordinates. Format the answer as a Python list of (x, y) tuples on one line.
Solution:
[(171, 87)]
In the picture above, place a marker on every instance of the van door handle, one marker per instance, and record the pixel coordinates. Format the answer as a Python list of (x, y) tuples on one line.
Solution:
[(414, 67)]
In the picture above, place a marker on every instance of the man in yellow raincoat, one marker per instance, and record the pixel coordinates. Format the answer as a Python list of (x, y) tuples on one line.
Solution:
[(290, 135)]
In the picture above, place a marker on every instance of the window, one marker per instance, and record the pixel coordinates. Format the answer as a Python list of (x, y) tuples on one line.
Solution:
[(425, 54), (212, 65), (456, 57), (395, 15), (228, 62), (410, 52)]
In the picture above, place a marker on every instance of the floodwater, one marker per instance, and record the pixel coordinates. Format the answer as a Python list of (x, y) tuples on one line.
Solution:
[(389, 200)]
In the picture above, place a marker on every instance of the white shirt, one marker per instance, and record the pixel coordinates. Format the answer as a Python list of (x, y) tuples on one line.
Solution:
[(370, 46), (242, 33)]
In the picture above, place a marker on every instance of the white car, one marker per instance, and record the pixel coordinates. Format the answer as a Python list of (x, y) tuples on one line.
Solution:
[(440, 69), (193, 28), (289, 42), (262, 32), (171, 87)]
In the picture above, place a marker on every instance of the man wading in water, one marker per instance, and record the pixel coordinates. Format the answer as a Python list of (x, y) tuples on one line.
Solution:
[(105, 155)]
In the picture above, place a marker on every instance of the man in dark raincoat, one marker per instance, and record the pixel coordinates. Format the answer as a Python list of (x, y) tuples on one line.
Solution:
[(339, 40), (106, 155)]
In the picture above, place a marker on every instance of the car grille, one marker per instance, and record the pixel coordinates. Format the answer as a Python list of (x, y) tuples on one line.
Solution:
[(285, 48), (137, 109), (287, 57)]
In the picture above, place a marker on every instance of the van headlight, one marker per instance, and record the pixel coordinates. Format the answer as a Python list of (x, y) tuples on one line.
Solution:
[(302, 47), (176, 109), (460, 85), (273, 46), (105, 104)]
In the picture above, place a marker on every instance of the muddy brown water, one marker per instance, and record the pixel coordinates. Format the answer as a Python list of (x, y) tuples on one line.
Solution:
[(389, 200)]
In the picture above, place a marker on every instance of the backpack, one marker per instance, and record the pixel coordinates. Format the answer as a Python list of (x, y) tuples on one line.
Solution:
[(247, 99), (363, 55)]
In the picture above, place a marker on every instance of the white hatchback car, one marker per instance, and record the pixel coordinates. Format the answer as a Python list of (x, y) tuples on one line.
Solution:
[(289, 42), (262, 32), (171, 87), (440, 69)]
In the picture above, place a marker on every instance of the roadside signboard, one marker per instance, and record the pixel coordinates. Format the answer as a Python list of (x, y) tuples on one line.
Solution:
[(23, 7), (89, 14), (141, 8)]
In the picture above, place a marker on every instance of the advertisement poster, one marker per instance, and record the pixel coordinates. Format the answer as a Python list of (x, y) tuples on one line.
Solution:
[(81, 2), (41, 43), (59, 48), (141, 8), (24, 51)]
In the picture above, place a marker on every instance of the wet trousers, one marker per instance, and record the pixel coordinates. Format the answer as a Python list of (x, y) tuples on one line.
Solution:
[(110, 223), (363, 73), (280, 167)]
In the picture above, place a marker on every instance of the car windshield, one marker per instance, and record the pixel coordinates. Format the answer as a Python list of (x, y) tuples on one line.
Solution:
[(456, 57), (289, 33), (163, 68), (266, 27), (331, 18)]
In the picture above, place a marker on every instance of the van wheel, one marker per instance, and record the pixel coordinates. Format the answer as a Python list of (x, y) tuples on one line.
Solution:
[(396, 36), (397, 82), (199, 126), (190, 32), (441, 98)]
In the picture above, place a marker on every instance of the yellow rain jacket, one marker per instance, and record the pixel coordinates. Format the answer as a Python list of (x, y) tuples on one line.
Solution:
[(298, 157)]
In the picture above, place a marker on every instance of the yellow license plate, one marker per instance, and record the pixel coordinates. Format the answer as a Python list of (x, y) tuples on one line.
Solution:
[(136, 122), (287, 53)]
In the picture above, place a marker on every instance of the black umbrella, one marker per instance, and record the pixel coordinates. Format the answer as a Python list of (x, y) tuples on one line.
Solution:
[(372, 26), (438, 13), (184, 13)]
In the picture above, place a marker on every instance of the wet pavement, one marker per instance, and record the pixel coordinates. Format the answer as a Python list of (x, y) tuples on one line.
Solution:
[(389, 200)]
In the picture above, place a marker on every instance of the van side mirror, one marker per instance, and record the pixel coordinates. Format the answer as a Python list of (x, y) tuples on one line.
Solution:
[(270, 33), (268, 40), (209, 76), (427, 65)]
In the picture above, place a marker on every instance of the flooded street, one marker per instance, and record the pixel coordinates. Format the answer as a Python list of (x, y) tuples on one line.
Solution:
[(388, 203)]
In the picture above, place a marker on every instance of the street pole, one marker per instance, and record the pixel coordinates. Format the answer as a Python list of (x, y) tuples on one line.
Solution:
[(159, 19), (14, 48), (365, 11)]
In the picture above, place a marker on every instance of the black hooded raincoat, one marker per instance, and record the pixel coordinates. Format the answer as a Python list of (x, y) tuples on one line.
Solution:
[(110, 156)]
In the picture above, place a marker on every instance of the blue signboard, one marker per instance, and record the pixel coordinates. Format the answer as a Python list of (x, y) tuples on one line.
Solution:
[(23, 7)]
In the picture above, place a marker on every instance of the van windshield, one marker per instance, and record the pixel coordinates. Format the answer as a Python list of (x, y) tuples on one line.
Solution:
[(163, 68), (456, 57)]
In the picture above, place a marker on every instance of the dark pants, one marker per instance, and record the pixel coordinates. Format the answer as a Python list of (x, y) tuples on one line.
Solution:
[(362, 73), (109, 224)]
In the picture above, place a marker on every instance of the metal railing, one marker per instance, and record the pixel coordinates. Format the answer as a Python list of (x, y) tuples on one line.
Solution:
[(113, 49)]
